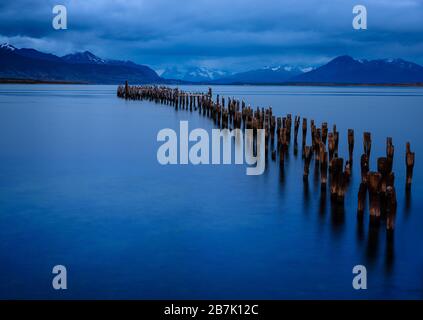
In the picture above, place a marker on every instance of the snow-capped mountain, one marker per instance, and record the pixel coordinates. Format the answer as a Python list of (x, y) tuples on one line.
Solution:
[(7, 46), (83, 57), (27, 63), (79, 67), (345, 69), (269, 74), (195, 74)]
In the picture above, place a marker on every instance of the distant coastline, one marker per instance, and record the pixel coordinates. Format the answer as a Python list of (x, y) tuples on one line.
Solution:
[(29, 66), (35, 81), (178, 82)]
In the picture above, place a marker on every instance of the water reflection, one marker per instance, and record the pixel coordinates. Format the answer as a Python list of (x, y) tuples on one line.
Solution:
[(372, 242), (337, 215), (322, 202), (316, 175), (390, 252), (360, 227), (306, 194), (295, 149), (408, 199)]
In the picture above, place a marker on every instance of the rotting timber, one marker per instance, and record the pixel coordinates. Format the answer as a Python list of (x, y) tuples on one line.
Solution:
[(334, 171)]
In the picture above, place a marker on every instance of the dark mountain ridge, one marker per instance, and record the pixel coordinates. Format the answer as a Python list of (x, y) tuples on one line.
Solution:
[(79, 67)]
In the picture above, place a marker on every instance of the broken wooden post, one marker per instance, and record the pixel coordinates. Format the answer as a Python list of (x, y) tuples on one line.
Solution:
[(364, 164), (374, 190), (296, 127), (304, 135), (336, 140), (126, 90), (367, 143), (390, 153), (323, 169), (324, 132), (350, 144), (382, 168), (347, 171), (331, 147), (409, 161)]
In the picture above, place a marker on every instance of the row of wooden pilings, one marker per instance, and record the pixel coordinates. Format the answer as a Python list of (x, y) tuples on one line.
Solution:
[(235, 114)]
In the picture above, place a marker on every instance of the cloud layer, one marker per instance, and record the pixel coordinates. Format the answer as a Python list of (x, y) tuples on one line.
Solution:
[(234, 35)]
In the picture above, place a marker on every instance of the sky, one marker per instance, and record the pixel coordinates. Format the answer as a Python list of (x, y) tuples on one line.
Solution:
[(232, 35)]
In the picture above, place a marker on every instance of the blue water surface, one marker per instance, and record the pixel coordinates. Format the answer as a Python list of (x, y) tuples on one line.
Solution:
[(80, 186)]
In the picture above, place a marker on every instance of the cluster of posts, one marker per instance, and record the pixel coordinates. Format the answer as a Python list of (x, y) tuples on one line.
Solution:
[(234, 114)]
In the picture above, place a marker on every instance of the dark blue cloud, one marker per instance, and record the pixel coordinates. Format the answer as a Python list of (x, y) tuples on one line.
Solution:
[(235, 35)]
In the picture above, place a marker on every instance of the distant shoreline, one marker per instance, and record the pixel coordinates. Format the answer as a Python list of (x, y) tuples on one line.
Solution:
[(172, 82), (35, 81)]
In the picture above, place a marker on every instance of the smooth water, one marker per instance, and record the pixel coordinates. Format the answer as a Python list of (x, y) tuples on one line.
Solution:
[(80, 186)]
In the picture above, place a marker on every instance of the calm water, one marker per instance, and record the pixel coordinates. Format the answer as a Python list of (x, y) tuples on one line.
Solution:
[(80, 186)]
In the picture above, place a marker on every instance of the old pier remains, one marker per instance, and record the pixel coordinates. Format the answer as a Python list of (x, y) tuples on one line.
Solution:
[(335, 172)]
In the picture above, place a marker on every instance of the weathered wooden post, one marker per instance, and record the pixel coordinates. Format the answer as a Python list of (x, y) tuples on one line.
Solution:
[(347, 171), (331, 147), (296, 128), (317, 142), (336, 140), (126, 90), (324, 132), (409, 161), (350, 144), (323, 169), (367, 143), (304, 135), (364, 164), (374, 189), (390, 153), (361, 198)]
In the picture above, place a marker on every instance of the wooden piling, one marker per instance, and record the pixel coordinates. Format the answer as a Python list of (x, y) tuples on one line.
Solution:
[(324, 170), (409, 162), (389, 153), (374, 191), (350, 144), (367, 143), (364, 164)]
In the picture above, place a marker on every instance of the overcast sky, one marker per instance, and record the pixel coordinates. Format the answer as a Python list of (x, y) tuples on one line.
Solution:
[(227, 34)]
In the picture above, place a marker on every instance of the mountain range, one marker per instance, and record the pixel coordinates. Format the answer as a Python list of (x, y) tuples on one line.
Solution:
[(345, 69), (266, 75), (85, 67), (193, 74), (82, 67)]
